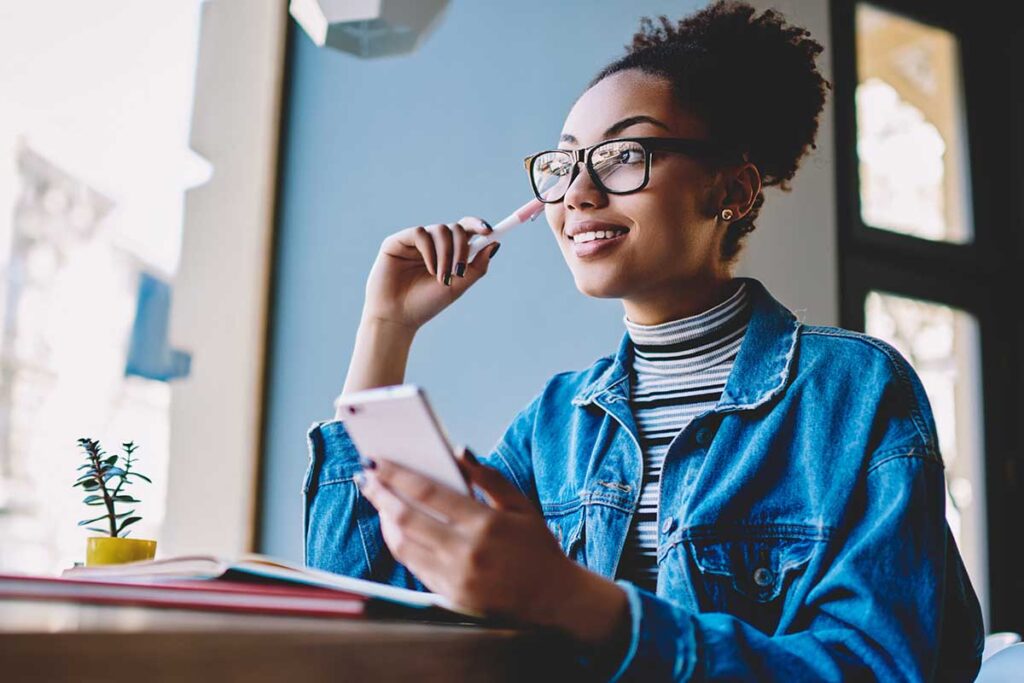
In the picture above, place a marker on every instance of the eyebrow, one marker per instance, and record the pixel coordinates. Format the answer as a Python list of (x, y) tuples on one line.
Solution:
[(617, 127)]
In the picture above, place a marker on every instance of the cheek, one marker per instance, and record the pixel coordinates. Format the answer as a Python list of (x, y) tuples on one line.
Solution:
[(671, 212), (555, 215)]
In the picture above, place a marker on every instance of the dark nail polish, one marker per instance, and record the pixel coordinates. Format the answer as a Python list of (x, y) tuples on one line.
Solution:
[(367, 463), (486, 224), (494, 251), (447, 279), (471, 458), (460, 269)]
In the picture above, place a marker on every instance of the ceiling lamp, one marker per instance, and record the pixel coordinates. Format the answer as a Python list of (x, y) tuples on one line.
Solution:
[(368, 28)]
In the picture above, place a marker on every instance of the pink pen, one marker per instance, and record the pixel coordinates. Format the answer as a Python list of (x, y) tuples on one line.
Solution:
[(526, 212)]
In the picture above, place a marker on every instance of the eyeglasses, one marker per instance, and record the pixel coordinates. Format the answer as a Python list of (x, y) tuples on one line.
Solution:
[(619, 166)]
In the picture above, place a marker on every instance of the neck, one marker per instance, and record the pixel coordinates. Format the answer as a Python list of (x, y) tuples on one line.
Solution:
[(680, 300)]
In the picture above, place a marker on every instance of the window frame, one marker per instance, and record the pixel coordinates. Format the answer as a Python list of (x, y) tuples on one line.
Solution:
[(977, 277)]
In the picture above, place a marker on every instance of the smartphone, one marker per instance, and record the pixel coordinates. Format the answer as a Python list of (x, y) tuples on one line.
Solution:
[(397, 423)]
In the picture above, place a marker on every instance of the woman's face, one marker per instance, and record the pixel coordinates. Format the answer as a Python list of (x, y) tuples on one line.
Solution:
[(673, 237)]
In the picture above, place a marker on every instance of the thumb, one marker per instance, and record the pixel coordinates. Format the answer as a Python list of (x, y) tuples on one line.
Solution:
[(477, 268), (502, 493)]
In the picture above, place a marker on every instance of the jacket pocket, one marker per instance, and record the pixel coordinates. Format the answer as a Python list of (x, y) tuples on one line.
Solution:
[(749, 575), (569, 528)]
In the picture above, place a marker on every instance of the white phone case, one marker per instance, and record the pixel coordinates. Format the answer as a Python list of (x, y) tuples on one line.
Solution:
[(397, 423)]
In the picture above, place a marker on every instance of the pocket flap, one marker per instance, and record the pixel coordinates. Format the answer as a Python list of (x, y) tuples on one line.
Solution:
[(757, 567), (568, 529)]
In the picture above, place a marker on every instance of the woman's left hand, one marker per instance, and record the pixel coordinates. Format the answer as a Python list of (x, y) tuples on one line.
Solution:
[(500, 560)]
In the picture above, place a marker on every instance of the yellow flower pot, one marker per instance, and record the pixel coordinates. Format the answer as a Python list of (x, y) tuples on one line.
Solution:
[(106, 550)]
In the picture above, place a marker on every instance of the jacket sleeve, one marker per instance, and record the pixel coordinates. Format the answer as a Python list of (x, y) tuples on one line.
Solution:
[(873, 615), (342, 529)]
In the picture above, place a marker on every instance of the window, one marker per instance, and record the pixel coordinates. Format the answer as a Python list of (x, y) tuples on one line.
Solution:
[(911, 143), (941, 343), (94, 163), (929, 247)]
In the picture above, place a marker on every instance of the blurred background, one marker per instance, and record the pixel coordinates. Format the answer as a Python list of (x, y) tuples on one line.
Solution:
[(192, 193)]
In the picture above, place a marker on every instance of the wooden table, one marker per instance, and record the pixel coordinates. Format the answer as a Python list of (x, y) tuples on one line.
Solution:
[(56, 641)]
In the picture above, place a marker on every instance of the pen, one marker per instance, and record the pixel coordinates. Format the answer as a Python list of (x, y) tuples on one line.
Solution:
[(526, 212)]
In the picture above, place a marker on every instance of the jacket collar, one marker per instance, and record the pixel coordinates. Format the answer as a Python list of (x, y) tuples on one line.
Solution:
[(760, 372)]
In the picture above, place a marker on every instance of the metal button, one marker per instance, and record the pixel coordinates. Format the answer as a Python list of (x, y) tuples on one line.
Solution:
[(668, 525), (704, 436), (763, 577)]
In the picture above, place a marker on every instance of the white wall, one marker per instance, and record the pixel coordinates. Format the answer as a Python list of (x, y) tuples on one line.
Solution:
[(219, 310), (793, 249)]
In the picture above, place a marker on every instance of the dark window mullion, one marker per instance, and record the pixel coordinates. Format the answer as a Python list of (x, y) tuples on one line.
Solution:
[(983, 277)]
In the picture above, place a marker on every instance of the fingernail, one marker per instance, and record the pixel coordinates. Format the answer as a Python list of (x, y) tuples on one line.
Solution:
[(471, 458), (447, 279), (486, 224), (497, 246), (360, 479), (460, 269), (367, 463)]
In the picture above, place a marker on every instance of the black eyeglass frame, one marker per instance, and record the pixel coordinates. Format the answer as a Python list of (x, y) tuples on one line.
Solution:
[(703, 149)]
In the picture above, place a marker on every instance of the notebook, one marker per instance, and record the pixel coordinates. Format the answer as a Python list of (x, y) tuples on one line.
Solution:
[(207, 580)]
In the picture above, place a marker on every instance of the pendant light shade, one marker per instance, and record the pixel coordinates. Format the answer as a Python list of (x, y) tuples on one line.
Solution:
[(368, 28)]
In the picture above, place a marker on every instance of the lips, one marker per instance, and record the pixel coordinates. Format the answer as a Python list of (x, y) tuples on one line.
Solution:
[(596, 248), (591, 226)]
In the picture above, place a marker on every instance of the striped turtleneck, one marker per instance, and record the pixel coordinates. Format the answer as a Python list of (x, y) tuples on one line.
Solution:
[(679, 371)]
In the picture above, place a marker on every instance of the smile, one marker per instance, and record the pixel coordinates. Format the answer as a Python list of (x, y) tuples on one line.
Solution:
[(597, 243), (598, 235)]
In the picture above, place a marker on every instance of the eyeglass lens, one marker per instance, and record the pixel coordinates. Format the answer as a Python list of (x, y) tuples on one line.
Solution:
[(619, 165)]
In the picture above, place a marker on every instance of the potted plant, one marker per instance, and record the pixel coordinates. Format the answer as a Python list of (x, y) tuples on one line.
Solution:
[(106, 479)]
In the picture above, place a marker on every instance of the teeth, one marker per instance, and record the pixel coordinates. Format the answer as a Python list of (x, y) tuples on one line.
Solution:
[(596, 235)]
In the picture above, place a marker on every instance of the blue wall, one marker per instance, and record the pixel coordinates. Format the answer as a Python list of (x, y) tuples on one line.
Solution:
[(374, 146)]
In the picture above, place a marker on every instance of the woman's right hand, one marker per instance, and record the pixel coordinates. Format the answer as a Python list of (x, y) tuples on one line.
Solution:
[(407, 284)]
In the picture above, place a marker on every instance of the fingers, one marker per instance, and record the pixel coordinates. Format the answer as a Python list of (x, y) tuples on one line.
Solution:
[(502, 494), (408, 522), (422, 560), (425, 245), (424, 491), (475, 225), (460, 253), (443, 240), (444, 248)]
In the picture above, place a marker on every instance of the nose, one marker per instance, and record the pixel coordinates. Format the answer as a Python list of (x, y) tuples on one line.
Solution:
[(582, 192)]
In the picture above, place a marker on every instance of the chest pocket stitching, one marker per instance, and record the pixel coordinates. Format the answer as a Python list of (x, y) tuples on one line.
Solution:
[(740, 559), (570, 535)]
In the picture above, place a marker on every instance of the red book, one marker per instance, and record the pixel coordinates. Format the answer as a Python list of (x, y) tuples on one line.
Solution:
[(219, 595)]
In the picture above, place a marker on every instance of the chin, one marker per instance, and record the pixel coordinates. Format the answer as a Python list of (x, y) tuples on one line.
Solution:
[(600, 288)]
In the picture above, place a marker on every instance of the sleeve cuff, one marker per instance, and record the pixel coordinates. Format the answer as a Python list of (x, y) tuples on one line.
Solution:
[(635, 617), (662, 639), (332, 455)]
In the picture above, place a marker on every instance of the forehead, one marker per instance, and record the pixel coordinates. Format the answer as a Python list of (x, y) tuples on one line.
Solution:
[(624, 94)]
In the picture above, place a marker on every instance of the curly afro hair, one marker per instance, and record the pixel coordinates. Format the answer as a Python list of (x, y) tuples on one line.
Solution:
[(771, 113)]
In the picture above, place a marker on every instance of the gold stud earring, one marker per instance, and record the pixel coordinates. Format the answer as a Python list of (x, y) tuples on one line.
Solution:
[(726, 214)]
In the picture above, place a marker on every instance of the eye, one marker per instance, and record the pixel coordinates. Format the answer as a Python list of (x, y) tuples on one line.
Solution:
[(556, 167), (621, 154), (553, 165), (629, 155)]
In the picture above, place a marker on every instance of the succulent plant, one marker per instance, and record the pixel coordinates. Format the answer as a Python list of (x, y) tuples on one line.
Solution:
[(105, 479)]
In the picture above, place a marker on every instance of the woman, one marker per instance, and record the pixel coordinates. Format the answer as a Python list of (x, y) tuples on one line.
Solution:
[(732, 494)]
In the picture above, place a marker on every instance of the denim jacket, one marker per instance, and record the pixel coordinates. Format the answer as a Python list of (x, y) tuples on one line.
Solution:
[(802, 519)]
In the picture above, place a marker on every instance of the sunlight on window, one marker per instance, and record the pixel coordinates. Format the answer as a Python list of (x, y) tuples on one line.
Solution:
[(94, 161), (941, 343), (911, 140)]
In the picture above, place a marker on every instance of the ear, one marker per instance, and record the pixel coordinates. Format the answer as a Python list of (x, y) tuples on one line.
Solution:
[(741, 184)]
